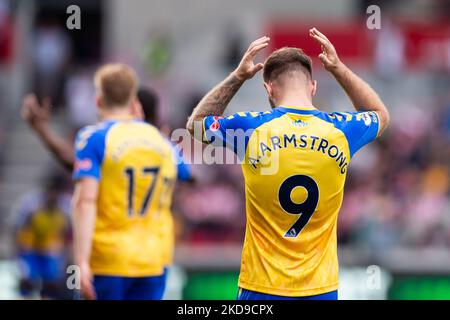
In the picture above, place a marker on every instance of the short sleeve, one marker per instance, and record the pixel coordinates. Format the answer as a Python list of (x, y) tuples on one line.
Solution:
[(89, 151), (233, 131), (360, 128), (215, 127), (184, 170)]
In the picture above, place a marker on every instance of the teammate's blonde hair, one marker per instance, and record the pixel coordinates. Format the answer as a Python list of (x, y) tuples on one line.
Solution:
[(116, 84)]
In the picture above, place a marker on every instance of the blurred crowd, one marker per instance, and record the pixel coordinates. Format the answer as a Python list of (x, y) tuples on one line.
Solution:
[(398, 192)]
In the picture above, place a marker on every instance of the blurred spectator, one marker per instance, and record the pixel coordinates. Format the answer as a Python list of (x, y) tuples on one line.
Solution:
[(233, 52), (158, 53), (6, 32), (52, 50), (221, 216), (389, 49), (79, 95), (41, 224)]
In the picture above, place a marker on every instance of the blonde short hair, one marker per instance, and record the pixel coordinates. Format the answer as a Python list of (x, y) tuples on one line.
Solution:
[(116, 83)]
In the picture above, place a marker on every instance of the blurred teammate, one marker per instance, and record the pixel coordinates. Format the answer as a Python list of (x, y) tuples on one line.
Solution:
[(290, 248), (124, 170), (42, 227), (37, 117)]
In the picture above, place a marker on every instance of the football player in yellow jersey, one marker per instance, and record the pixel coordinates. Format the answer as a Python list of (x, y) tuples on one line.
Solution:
[(41, 224), (123, 170), (37, 116), (294, 159)]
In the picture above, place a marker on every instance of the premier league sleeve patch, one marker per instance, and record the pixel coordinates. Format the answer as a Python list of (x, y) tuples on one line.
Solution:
[(83, 165), (215, 125)]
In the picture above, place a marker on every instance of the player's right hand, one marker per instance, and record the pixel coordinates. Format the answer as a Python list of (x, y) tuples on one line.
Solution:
[(329, 56), (247, 68), (33, 113)]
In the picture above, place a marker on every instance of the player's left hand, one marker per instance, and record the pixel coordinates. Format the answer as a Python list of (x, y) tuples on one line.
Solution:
[(329, 56), (247, 68), (87, 288), (33, 113)]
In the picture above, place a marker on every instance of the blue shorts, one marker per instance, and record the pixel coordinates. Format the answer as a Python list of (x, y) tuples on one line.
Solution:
[(245, 294), (39, 266), (42, 272), (128, 288)]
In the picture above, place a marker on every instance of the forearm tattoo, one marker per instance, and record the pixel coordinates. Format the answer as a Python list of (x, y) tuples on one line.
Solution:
[(216, 101)]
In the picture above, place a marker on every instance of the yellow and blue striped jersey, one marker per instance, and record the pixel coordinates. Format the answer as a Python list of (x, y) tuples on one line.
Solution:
[(294, 163), (136, 170)]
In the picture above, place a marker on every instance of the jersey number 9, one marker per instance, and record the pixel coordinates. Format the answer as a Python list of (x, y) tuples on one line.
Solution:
[(304, 209)]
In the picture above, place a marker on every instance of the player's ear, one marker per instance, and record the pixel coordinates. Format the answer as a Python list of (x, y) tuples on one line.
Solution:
[(99, 101), (313, 87), (269, 89)]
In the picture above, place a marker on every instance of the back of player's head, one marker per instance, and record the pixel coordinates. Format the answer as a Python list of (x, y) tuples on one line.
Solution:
[(149, 102), (286, 61), (116, 84)]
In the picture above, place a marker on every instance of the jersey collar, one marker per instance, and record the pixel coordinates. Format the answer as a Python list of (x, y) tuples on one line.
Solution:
[(298, 111)]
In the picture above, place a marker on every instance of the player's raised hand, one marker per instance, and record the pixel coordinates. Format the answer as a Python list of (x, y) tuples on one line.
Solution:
[(33, 113), (329, 57), (247, 68)]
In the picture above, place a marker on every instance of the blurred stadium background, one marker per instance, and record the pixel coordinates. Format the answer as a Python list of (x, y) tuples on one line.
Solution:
[(396, 211)]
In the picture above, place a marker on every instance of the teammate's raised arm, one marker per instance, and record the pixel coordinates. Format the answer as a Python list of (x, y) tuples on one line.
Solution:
[(216, 100), (37, 117), (363, 97)]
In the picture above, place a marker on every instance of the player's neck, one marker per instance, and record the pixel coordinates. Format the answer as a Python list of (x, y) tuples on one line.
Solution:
[(296, 102), (116, 114)]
